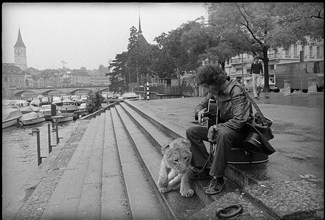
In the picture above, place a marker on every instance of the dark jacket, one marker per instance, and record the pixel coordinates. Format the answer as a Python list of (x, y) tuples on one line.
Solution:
[(235, 109), (256, 68)]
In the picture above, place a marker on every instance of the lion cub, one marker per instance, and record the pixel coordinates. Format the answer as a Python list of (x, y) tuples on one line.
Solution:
[(174, 167)]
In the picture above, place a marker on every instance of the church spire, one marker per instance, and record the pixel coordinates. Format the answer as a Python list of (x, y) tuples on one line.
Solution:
[(140, 31), (142, 42), (19, 42)]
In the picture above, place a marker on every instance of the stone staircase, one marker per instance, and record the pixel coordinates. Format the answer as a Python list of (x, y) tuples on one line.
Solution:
[(113, 174)]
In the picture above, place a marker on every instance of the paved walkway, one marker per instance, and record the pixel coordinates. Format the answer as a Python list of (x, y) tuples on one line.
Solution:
[(298, 127)]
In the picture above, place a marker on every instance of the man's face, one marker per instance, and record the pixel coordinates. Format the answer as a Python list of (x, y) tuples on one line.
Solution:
[(214, 89)]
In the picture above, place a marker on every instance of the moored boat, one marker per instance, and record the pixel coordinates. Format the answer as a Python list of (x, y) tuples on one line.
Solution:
[(32, 118), (64, 117), (29, 109), (47, 112), (68, 106), (10, 117)]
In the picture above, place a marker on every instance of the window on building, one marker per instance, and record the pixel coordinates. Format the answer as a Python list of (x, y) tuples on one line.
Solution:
[(311, 52), (238, 70), (318, 52), (287, 52), (316, 67), (304, 48), (272, 67), (295, 51)]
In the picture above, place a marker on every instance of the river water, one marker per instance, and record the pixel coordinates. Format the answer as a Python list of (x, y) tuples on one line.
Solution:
[(19, 157)]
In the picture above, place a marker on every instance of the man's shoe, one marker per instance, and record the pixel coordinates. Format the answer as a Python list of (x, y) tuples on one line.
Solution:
[(199, 175), (215, 186)]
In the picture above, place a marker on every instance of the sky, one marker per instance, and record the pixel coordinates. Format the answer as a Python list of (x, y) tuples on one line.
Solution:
[(86, 34)]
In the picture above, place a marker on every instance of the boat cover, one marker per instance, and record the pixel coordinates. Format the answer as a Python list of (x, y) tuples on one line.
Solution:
[(31, 115), (29, 108), (10, 113)]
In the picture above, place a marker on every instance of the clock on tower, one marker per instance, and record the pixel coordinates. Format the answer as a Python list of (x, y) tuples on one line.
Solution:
[(18, 51)]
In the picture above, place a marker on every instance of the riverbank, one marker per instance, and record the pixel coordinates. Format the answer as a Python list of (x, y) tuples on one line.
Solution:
[(19, 159)]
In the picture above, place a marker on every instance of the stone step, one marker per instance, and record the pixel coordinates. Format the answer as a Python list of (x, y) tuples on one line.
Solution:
[(114, 196), (174, 205), (142, 200), (90, 201), (66, 197)]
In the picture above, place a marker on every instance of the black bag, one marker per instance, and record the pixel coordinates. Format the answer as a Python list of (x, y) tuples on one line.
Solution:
[(259, 132)]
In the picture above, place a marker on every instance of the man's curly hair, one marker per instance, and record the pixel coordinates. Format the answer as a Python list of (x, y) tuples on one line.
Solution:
[(211, 75)]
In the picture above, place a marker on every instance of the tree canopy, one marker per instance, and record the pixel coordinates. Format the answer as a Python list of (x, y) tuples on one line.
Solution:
[(256, 28), (232, 29)]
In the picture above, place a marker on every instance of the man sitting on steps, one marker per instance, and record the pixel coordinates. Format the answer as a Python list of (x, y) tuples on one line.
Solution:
[(234, 111)]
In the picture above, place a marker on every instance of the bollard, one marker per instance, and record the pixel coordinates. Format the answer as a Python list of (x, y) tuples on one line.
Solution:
[(312, 85), (49, 137), (287, 87), (53, 113), (39, 158), (57, 131), (148, 91), (53, 110)]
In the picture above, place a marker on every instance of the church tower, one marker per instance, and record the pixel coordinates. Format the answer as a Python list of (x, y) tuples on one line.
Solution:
[(20, 53), (142, 42)]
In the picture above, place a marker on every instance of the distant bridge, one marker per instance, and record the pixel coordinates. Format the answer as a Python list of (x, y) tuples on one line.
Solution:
[(67, 90)]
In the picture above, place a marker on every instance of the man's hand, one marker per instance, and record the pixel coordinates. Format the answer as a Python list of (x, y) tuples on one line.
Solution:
[(211, 134), (198, 114)]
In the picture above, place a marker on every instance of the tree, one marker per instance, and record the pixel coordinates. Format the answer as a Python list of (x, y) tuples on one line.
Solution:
[(304, 19), (94, 101), (118, 75), (179, 49), (162, 65), (132, 62), (262, 26)]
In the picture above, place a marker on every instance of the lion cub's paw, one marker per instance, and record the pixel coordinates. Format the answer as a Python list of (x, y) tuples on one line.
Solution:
[(162, 182), (164, 189), (187, 192)]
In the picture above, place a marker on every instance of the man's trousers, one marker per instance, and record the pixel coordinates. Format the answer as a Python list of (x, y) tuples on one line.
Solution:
[(257, 84), (225, 139)]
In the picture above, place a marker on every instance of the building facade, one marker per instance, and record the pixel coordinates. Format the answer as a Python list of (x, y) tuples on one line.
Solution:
[(240, 65)]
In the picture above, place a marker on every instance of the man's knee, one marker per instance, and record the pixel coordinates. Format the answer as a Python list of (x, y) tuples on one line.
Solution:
[(223, 133), (190, 132)]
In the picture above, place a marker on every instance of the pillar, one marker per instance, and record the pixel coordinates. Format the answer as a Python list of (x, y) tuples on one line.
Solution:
[(287, 87), (312, 85), (148, 91)]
